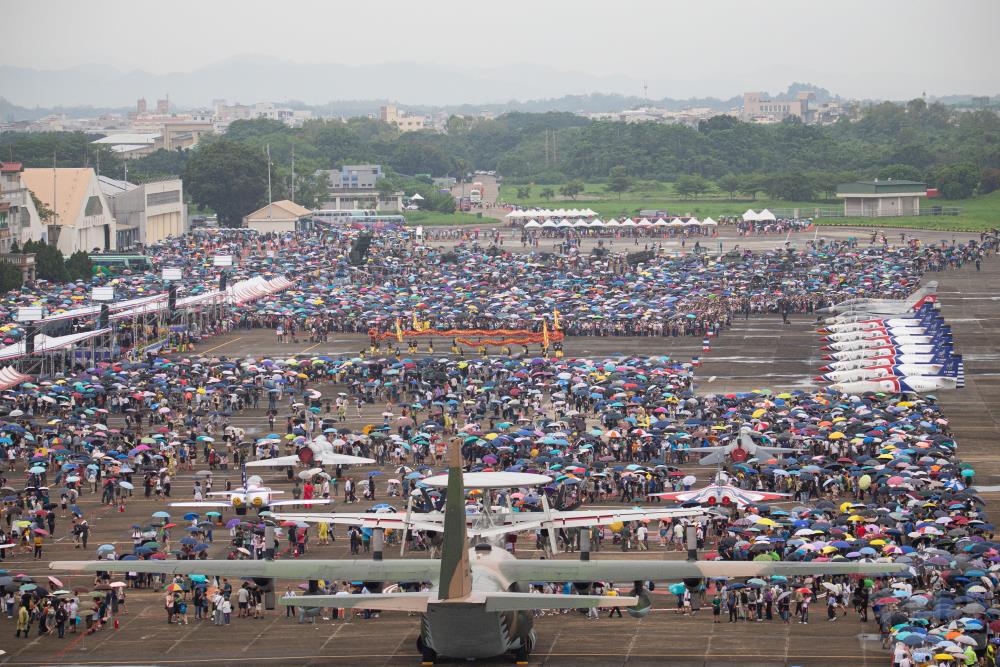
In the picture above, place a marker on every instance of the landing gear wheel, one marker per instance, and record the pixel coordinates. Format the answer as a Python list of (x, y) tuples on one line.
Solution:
[(427, 654)]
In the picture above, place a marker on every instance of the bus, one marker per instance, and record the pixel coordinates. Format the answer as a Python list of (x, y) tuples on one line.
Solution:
[(356, 216), (114, 263)]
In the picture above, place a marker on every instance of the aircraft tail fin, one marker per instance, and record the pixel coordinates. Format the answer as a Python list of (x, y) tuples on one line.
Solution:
[(954, 367), (925, 295), (456, 573)]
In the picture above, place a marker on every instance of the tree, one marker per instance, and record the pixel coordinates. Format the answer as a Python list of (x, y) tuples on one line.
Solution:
[(619, 181), (547, 194), (900, 172), (790, 185), (688, 185), (750, 185), (79, 266), (989, 181), (571, 189), (957, 180), (10, 277), (49, 264), (228, 177), (523, 191), (729, 183), (45, 213)]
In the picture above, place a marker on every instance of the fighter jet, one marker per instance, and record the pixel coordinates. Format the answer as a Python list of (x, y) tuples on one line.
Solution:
[(877, 370), (253, 494), (721, 493), (926, 294), (740, 449), (479, 604), (318, 452)]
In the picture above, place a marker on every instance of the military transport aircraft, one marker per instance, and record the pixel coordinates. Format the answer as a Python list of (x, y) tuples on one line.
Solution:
[(479, 604)]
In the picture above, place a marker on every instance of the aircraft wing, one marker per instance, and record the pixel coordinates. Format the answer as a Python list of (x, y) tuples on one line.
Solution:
[(306, 503), (405, 569), (363, 520), (640, 570), (325, 458), (778, 450), (678, 496), (380, 601), (504, 601), (202, 503), (758, 496)]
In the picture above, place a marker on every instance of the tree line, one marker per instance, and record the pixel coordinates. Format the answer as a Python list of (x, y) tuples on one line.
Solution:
[(956, 151)]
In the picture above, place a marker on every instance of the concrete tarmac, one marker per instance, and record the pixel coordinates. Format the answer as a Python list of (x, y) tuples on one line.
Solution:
[(761, 352)]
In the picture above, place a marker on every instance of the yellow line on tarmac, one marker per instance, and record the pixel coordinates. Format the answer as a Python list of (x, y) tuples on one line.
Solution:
[(211, 349)]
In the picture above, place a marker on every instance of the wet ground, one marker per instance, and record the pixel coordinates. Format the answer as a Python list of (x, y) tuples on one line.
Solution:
[(758, 353)]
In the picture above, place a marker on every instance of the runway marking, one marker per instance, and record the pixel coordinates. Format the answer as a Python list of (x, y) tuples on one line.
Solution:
[(211, 349), (311, 347)]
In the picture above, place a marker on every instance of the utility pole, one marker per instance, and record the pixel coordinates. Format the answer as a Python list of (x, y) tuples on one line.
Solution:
[(293, 174), (269, 180)]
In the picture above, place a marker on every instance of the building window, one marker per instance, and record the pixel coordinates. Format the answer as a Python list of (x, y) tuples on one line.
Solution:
[(94, 206)]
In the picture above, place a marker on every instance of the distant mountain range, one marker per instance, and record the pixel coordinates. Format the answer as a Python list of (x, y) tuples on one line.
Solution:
[(87, 91)]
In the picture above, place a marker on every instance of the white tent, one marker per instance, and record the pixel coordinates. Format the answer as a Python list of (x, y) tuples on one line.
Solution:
[(660, 223), (548, 224), (580, 223), (596, 223), (532, 224), (612, 223), (693, 221), (645, 223), (750, 215), (516, 214), (628, 222), (589, 213), (676, 222), (766, 215), (564, 223), (416, 197), (710, 222)]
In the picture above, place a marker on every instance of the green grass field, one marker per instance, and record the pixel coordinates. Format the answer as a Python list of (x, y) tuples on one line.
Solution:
[(978, 213), (432, 218)]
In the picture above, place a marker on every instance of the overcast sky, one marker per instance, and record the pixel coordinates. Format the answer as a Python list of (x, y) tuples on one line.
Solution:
[(858, 48)]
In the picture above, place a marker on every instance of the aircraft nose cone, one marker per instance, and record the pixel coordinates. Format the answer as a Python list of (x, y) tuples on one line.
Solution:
[(826, 348), (826, 357), (819, 378), (824, 368)]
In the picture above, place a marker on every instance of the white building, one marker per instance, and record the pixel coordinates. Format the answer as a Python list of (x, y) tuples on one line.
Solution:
[(82, 217), (147, 213), (280, 216), (22, 221)]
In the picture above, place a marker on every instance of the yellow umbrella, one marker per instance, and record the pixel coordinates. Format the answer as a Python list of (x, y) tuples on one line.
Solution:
[(836, 435), (854, 518), (758, 413), (765, 522), (616, 526), (865, 481)]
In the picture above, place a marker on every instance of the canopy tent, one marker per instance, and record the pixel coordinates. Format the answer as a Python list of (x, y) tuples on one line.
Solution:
[(710, 222), (766, 215), (45, 343), (10, 377), (532, 224), (93, 311), (750, 215)]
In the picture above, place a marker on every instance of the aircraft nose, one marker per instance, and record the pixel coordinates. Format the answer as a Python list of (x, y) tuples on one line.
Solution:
[(826, 348), (824, 368), (826, 357), (820, 378)]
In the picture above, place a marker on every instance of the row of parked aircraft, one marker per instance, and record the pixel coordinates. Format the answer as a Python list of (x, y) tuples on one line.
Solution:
[(890, 345)]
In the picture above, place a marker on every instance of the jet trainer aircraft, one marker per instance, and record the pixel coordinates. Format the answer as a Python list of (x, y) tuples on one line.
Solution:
[(740, 449), (479, 604), (253, 494), (926, 294), (318, 452)]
